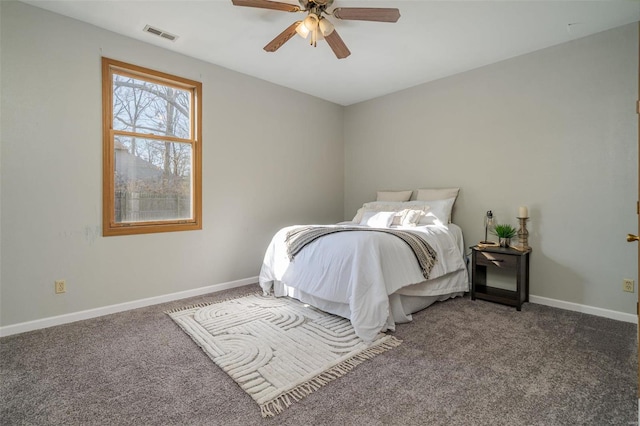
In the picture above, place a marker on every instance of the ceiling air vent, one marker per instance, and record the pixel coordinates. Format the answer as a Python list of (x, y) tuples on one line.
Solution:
[(160, 33)]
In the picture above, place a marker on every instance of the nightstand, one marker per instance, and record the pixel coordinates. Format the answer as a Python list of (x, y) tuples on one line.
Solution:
[(511, 261)]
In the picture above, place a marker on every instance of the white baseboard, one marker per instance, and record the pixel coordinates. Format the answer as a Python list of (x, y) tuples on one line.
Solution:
[(585, 309), (112, 309)]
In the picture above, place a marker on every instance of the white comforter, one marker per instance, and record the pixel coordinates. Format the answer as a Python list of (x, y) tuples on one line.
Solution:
[(361, 269)]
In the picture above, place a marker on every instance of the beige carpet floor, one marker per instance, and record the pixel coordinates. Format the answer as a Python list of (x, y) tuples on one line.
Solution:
[(461, 363)]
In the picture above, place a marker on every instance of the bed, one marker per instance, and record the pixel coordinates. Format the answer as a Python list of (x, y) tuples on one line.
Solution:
[(364, 272)]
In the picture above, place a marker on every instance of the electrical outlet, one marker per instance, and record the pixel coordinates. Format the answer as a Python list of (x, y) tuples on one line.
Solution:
[(627, 285), (61, 286)]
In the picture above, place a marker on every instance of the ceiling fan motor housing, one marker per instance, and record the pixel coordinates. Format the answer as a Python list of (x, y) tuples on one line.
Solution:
[(307, 3)]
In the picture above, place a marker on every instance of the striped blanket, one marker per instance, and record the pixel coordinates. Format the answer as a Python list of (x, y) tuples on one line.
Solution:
[(298, 238)]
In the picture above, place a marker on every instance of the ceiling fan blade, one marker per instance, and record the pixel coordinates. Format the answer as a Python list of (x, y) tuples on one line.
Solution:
[(267, 4), (337, 45), (282, 38), (367, 14)]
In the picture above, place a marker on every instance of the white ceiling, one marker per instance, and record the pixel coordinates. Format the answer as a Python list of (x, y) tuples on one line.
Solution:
[(432, 39)]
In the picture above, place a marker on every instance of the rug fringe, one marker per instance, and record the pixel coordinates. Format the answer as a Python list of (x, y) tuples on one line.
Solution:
[(203, 304), (283, 401)]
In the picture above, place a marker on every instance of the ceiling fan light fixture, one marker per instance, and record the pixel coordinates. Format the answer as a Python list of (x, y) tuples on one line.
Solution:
[(302, 30), (311, 22), (326, 27)]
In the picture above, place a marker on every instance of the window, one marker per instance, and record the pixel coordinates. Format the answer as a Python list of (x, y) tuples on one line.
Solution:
[(152, 151)]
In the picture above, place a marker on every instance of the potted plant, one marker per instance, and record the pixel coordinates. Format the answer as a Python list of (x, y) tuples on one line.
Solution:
[(504, 232)]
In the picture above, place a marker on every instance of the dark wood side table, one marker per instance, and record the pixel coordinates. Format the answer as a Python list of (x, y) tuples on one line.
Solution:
[(507, 259)]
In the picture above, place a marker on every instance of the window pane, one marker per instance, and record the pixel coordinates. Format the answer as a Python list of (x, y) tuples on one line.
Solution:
[(152, 180), (143, 107)]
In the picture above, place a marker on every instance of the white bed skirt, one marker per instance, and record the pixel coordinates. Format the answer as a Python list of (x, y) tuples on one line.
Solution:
[(402, 304)]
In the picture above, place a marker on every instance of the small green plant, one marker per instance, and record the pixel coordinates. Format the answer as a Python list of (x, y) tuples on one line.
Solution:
[(504, 231)]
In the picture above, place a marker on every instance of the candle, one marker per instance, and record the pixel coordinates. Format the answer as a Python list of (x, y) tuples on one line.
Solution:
[(523, 211)]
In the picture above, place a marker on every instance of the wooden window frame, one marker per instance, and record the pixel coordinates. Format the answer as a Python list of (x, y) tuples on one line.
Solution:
[(109, 226)]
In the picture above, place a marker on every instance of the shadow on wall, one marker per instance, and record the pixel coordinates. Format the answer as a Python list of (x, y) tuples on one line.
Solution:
[(546, 275)]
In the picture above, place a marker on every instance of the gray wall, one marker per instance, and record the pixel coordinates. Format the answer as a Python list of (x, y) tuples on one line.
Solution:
[(258, 173), (555, 130)]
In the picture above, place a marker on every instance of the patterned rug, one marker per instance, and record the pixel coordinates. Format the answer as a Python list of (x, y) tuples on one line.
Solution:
[(278, 350)]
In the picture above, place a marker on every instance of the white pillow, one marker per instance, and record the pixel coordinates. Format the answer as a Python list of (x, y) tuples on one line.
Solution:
[(389, 206), (413, 217), (437, 194), (440, 212), (377, 219), (398, 217), (394, 195), (408, 217), (430, 219), (377, 206)]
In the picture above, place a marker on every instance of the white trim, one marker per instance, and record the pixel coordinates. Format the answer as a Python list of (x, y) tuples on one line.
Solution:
[(585, 309), (112, 309)]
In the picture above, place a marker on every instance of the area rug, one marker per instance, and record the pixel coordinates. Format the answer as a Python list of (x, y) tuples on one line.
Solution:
[(278, 350)]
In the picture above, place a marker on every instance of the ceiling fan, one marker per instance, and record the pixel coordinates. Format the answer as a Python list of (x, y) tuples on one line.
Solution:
[(316, 24)]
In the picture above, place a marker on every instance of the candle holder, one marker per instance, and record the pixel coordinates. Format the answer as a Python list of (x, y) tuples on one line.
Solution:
[(523, 234)]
